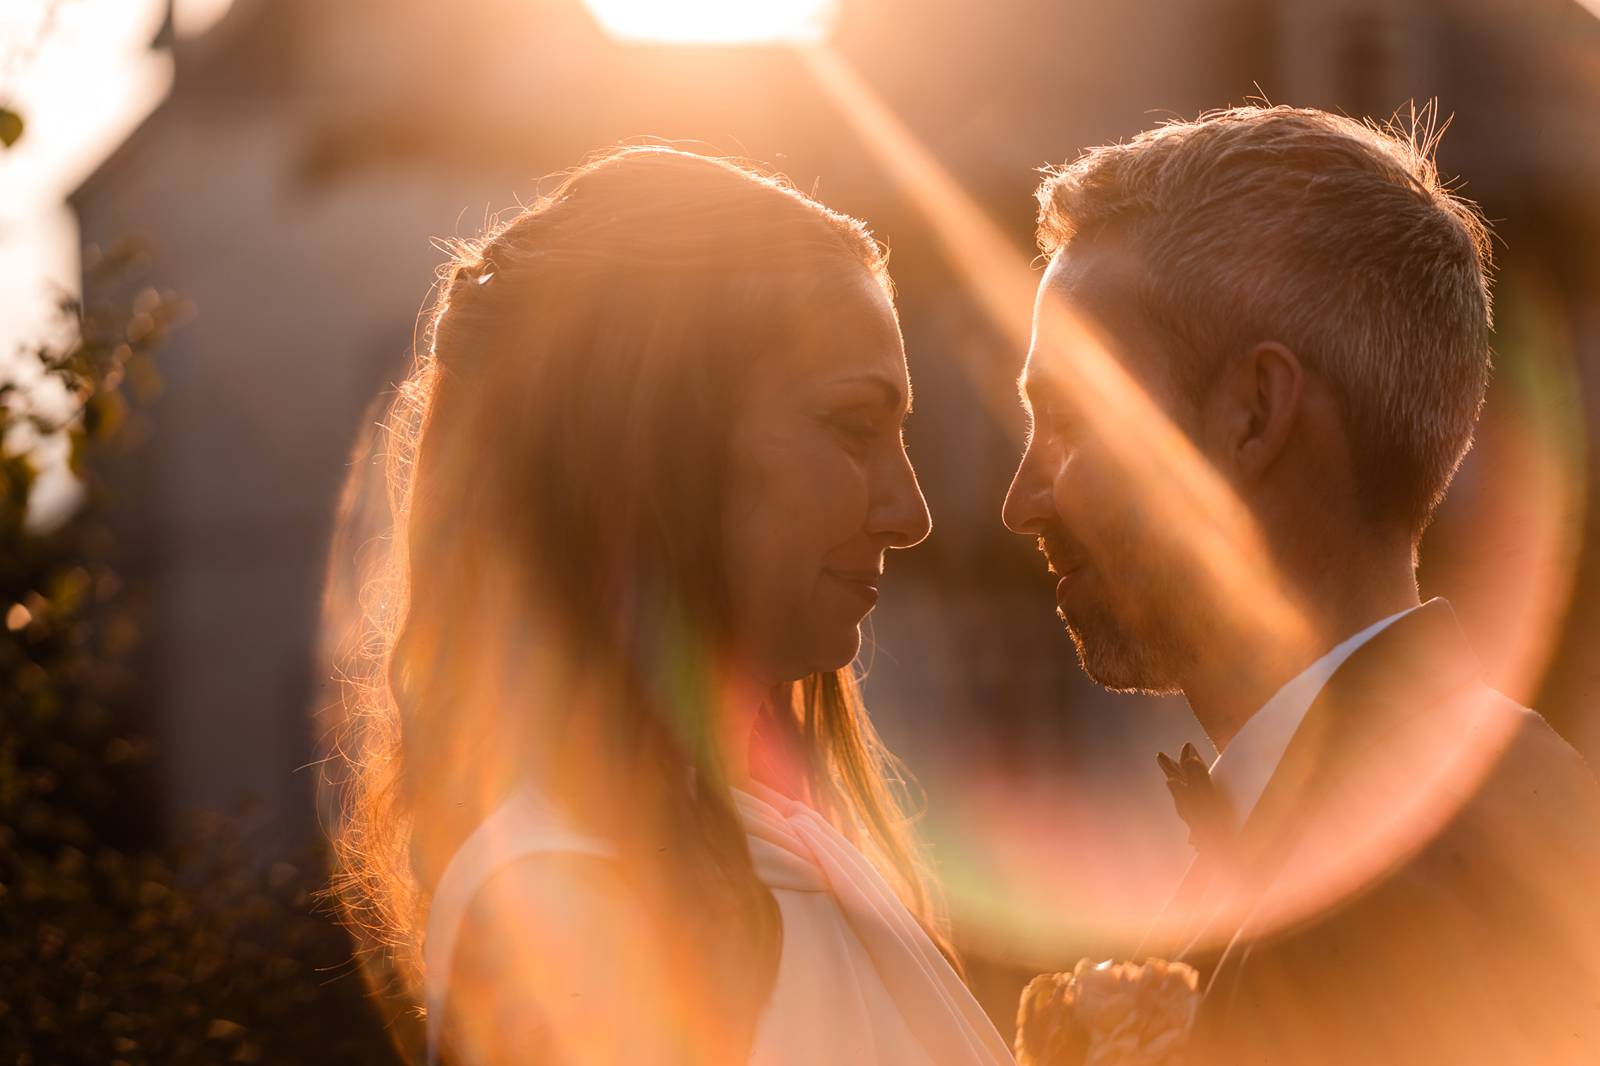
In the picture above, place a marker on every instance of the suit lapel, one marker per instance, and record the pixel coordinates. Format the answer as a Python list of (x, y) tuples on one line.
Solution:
[(1176, 926), (1411, 667)]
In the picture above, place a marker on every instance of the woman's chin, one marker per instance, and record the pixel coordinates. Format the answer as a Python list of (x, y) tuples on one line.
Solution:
[(832, 651), (841, 652)]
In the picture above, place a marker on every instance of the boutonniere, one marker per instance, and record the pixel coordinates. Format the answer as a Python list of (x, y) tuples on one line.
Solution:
[(1199, 804), (1108, 1014)]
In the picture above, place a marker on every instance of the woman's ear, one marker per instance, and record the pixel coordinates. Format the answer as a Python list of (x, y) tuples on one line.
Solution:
[(1259, 402)]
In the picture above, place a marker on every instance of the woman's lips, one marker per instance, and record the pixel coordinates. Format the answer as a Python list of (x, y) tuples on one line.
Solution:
[(863, 583)]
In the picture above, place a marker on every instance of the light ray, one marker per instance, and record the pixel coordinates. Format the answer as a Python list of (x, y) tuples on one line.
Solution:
[(715, 21), (1222, 534)]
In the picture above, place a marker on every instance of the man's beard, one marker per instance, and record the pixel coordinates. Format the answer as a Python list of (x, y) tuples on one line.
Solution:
[(1124, 656), (1137, 637)]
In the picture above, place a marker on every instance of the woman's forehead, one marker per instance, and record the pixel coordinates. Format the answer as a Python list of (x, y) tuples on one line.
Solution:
[(851, 332)]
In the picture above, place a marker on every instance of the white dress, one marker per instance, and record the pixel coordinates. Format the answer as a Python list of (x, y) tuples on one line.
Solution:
[(859, 981)]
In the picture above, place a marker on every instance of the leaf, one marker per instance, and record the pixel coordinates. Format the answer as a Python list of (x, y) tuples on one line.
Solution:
[(78, 452), (16, 481), (10, 126), (103, 414)]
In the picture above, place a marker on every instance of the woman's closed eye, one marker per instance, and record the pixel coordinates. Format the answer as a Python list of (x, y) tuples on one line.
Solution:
[(857, 425)]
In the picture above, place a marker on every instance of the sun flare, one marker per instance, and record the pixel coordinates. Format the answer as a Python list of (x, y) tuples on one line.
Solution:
[(715, 21)]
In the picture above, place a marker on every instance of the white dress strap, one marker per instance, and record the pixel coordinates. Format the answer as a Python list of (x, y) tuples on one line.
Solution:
[(526, 824)]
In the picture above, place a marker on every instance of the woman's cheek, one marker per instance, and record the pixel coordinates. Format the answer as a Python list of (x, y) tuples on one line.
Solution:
[(825, 472), (848, 495)]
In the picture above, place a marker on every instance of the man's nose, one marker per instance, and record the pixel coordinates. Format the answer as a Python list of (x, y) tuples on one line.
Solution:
[(1029, 508)]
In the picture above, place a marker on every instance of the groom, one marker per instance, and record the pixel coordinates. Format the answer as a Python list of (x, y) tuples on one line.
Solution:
[(1259, 352)]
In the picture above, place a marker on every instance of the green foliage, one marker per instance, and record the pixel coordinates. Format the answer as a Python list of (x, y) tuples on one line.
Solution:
[(201, 952)]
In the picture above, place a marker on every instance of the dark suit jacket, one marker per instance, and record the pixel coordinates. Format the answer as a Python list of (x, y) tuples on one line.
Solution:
[(1419, 883)]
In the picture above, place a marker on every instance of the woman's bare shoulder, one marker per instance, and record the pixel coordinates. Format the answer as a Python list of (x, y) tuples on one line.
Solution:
[(554, 952)]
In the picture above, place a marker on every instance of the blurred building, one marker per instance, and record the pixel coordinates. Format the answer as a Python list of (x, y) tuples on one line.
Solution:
[(308, 152)]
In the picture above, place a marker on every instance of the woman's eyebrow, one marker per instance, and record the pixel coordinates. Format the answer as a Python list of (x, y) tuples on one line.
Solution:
[(891, 391)]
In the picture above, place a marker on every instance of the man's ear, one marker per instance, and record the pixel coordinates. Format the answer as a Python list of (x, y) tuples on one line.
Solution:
[(1260, 399)]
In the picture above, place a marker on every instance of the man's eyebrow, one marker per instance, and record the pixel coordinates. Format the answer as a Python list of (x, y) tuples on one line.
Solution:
[(1028, 388)]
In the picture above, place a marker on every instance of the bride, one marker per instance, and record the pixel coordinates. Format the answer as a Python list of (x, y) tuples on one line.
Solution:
[(611, 794)]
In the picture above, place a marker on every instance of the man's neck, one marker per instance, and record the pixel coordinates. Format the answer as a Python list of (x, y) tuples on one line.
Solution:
[(1236, 675)]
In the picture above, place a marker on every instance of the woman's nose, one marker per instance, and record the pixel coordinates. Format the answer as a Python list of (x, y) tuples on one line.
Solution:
[(900, 514)]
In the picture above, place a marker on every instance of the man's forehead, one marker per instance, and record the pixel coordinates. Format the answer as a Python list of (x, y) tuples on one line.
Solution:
[(1099, 277), (1096, 284)]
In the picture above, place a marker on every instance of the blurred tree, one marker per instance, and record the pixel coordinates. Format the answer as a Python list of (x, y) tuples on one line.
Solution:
[(198, 953)]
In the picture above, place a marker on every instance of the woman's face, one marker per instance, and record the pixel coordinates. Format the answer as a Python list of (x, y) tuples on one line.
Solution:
[(820, 486)]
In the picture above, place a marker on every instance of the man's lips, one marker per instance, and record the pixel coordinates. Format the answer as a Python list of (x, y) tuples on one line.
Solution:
[(1061, 560)]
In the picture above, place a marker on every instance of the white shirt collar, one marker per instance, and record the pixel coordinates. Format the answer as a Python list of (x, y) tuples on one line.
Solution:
[(1245, 766)]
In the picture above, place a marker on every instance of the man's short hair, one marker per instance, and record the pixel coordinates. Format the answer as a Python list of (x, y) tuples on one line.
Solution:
[(1335, 238)]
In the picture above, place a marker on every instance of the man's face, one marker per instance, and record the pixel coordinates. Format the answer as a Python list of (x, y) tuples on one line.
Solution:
[(1095, 386)]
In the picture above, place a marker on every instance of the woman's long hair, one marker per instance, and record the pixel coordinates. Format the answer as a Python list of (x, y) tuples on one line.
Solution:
[(539, 590)]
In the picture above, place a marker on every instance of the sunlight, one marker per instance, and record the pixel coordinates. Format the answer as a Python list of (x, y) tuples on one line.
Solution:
[(191, 18), (73, 123), (715, 21)]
